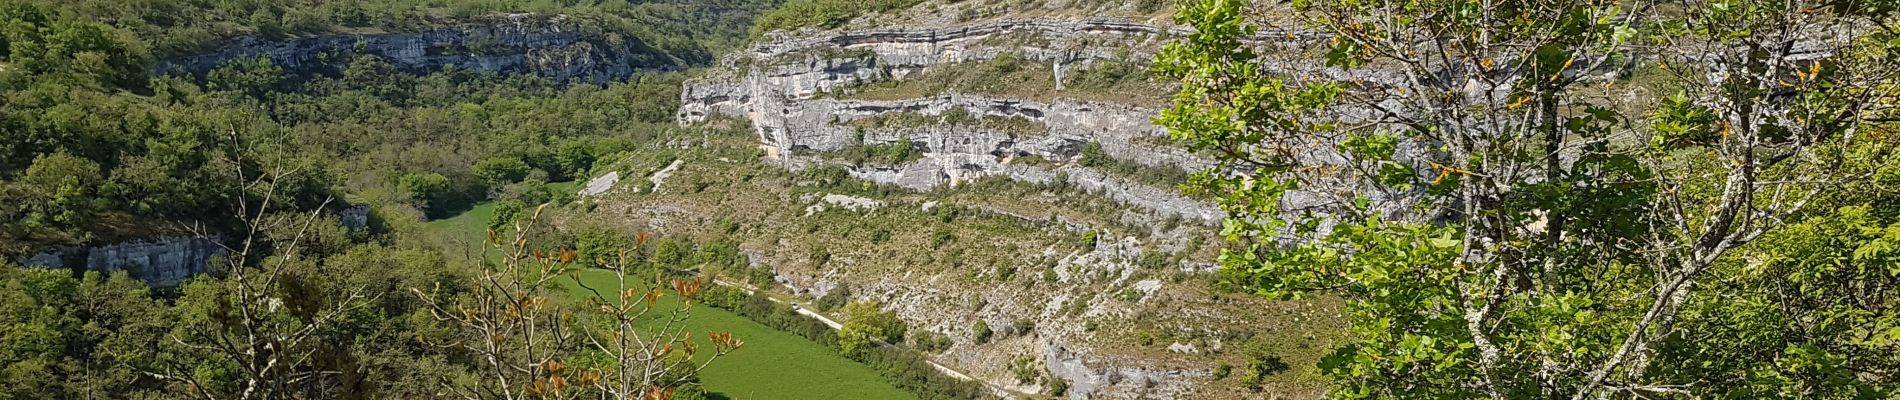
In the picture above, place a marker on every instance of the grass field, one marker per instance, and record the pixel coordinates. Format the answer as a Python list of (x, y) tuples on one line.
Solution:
[(464, 233), (772, 365)]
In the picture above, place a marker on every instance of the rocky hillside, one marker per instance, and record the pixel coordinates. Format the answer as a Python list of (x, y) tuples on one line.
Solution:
[(1040, 122), (558, 47), (798, 92)]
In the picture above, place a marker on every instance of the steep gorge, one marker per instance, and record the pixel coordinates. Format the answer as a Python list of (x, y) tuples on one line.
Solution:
[(799, 93), (780, 86)]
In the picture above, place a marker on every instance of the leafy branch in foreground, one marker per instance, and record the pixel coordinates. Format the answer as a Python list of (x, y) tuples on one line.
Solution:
[(1504, 229), (534, 346)]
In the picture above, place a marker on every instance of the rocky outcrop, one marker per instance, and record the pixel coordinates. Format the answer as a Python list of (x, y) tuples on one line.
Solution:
[(1088, 381), (783, 86), (600, 184), (1059, 41), (560, 48), (779, 91), (354, 217), (161, 262)]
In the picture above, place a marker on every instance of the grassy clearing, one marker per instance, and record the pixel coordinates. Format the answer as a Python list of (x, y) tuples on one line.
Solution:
[(773, 364), (463, 234)]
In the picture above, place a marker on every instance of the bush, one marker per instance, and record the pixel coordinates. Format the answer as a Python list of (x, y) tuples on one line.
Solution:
[(598, 243), (833, 299), (506, 212), (1024, 367), (1261, 362), (982, 331), (931, 342), (532, 191), (943, 235), (1023, 326)]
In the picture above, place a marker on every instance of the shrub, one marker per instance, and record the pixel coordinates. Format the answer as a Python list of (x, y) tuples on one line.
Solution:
[(932, 342), (1058, 386), (506, 212), (1023, 326), (1261, 362), (941, 236), (833, 299), (1024, 367), (982, 332)]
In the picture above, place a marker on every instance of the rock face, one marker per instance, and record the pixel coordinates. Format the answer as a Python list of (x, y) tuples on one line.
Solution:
[(780, 86), (778, 91), (1088, 382), (600, 184), (355, 217), (560, 48), (161, 262)]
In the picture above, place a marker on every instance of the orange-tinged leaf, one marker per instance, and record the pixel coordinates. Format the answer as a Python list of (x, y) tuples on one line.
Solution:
[(1521, 100)]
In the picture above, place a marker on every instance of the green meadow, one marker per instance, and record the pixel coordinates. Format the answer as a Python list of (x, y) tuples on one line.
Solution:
[(771, 365)]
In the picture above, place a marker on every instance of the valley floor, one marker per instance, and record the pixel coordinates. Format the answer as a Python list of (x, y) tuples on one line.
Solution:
[(772, 365)]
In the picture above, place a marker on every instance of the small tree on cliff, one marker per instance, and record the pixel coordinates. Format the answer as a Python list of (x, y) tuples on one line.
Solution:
[(1503, 230)]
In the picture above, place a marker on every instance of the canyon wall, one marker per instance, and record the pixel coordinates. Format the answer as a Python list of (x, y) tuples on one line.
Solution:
[(160, 262), (780, 85), (561, 48)]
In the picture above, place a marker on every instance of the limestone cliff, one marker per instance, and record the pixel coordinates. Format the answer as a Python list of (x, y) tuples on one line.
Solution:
[(558, 47), (779, 84), (160, 262), (789, 87)]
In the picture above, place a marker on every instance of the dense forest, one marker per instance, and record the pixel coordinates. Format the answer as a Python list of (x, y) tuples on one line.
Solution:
[(99, 149), (1498, 218)]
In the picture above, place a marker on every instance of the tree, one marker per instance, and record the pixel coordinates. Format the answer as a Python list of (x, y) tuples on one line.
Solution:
[(68, 336), (1501, 232), (65, 185), (501, 170), (529, 345), (260, 331), (506, 213), (253, 77), (865, 324), (429, 190)]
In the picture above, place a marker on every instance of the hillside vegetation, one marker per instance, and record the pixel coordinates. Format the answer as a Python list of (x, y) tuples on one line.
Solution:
[(261, 159)]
